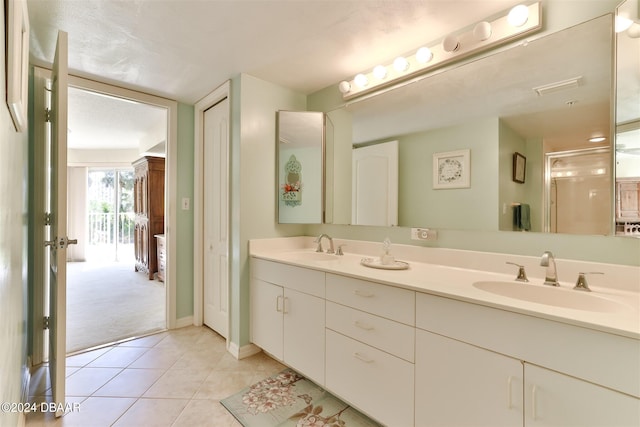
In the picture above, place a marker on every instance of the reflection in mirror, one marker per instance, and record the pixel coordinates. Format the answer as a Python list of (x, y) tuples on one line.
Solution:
[(300, 167), (547, 95), (628, 119)]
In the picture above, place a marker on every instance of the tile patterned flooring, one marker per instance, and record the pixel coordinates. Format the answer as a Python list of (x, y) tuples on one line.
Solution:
[(174, 378)]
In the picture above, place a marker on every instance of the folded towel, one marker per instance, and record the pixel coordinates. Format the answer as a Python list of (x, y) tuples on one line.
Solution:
[(522, 217)]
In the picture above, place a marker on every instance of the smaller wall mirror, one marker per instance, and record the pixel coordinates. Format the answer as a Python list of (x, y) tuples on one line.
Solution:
[(300, 168)]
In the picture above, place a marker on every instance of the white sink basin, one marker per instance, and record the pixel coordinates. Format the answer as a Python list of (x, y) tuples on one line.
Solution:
[(548, 295), (311, 256)]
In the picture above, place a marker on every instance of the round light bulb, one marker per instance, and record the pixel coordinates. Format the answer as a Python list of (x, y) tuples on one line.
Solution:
[(518, 16), (424, 55), (450, 43), (634, 31), (344, 87), (482, 31), (361, 80), (622, 23), (597, 139), (401, 64), (380, 71)]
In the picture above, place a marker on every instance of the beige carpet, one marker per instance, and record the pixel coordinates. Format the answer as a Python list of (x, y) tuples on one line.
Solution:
[(108, 302)]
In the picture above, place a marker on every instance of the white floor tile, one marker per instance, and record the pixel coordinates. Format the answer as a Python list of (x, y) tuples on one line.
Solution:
[(152, 412)]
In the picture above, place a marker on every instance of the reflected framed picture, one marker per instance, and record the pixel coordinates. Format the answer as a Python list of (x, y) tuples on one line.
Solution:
[(452, 169), (17, 37), (519, 167)]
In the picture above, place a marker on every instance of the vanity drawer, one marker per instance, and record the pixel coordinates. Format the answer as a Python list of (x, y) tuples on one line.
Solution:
[(387, 335), (382, 300), (376, 382), (300, 279)]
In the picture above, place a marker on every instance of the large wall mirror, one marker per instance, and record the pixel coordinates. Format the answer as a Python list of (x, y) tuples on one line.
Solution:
[(300, 169), (627, 208), (524, 118)]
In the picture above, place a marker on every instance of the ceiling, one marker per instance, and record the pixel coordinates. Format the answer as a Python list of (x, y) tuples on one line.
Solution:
[(183, 49)]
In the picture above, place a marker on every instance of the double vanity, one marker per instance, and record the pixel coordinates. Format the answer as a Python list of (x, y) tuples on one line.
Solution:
[(454, 339)]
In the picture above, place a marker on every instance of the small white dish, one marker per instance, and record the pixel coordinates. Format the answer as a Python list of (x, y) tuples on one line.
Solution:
[(375, 263)]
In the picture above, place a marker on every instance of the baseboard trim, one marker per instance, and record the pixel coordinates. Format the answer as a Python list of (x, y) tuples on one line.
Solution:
[(244, 351), (184, 321)]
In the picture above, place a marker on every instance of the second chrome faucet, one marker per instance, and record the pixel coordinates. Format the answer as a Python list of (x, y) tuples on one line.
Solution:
[(551, 276)]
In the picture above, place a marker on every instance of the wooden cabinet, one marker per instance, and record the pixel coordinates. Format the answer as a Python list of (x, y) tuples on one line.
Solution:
[(289, 323), (148, 193), (628, 199)]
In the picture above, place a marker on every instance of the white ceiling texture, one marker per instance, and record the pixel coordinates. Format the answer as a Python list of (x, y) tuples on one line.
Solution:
[(183, 49)]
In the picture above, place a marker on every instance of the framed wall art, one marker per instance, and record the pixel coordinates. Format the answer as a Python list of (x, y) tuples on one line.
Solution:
[(519, 167), (452, 169), (17, 61)]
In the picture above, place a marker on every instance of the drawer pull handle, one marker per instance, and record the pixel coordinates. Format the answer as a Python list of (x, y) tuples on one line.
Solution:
[(364, 326), (363, 358), (509, 391), (278, 309), (363, 293), (284, 305)]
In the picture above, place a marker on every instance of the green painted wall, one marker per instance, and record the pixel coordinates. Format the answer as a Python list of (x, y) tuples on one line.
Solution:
[(253, 187), (475, 207), (185, 232)]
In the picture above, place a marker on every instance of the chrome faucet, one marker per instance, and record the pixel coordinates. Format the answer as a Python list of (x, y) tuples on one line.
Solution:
[(551, 276), (319, 242)]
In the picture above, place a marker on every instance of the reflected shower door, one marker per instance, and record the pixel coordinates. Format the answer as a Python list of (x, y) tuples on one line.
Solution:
[(579, 192)]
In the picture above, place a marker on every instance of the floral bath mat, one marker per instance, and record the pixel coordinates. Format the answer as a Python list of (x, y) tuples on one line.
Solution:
[(288, 399)]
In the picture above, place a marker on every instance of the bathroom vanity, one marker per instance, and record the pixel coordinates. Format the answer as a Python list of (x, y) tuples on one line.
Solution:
[(432, 346)]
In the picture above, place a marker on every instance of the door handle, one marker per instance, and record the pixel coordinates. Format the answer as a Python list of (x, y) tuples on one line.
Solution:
[(63, 243)]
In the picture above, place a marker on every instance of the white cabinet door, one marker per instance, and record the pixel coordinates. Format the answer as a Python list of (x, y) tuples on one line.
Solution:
[(554, 399), (304, 334), (267, 301), (458, 384)]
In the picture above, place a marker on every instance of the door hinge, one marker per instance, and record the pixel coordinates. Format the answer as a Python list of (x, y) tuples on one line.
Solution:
[(47, 218), (45, 322), (47, 115)]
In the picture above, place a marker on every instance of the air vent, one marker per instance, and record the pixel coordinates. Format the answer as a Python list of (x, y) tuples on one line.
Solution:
[(558, 86)]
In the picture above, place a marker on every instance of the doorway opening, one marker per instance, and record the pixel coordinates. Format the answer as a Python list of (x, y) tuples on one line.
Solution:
[(108, 297)]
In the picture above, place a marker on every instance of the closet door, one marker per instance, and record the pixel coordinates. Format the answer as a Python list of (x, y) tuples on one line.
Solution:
[(216, 218)]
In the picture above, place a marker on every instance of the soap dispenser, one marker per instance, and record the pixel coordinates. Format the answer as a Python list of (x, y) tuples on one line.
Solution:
[(386, 258)]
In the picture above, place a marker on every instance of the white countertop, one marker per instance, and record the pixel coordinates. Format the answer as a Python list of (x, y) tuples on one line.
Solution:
[(457, 282)]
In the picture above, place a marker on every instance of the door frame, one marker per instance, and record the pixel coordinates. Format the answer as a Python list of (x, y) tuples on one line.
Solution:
[(221, 92), (171, 183)]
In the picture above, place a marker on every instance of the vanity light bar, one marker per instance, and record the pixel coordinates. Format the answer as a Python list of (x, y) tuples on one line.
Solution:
[(519, 21)]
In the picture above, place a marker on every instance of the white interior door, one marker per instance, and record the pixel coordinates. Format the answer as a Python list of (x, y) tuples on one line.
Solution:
[(375, 185), (57, 240), (216, 218)]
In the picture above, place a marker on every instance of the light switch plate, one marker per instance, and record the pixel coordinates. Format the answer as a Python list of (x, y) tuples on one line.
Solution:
[(186, 203)]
